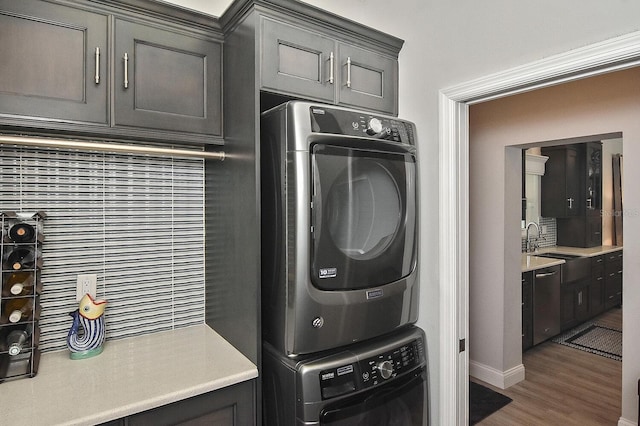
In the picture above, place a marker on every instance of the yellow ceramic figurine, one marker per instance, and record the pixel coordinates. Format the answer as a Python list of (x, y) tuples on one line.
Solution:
[(87, 332)]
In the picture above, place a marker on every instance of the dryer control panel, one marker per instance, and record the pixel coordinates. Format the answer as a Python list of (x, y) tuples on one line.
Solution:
[(361, 124)]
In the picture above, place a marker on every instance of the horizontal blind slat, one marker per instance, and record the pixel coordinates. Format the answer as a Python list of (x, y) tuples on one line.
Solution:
[(135, 221)]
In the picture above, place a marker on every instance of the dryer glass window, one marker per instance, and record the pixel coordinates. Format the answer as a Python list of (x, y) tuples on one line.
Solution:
[(364, 210)]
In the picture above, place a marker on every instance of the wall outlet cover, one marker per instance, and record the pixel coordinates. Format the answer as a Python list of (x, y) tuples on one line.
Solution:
[(86, 283)]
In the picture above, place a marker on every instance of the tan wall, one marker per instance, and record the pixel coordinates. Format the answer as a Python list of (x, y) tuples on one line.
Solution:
[(595, 106)]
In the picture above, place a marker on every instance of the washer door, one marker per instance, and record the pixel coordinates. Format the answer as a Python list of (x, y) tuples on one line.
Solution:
[(364, 217), (400, 403)]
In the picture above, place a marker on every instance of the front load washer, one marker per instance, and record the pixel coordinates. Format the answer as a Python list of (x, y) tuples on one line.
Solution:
[(339, 226), (381, 382)]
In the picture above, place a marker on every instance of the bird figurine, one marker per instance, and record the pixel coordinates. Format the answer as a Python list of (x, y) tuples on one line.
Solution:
[(87, 332)]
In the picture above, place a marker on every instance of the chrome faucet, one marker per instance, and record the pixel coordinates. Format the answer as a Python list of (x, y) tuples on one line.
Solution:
[(532, 244)]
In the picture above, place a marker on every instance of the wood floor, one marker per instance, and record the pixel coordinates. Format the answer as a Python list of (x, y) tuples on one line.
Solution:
[(564, 386)]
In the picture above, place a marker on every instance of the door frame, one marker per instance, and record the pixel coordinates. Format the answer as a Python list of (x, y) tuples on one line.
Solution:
[(610, 55)]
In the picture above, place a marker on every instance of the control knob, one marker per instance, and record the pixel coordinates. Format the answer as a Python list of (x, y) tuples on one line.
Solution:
[(374, 127), (385, 368)]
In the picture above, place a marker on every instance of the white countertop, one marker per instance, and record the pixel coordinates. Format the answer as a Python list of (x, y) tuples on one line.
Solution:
[(130, 376), (531, 262)]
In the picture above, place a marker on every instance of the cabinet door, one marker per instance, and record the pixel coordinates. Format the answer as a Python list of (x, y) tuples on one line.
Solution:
[(49, 67), (613, 281), (562, 194), (168, 81), (527, 310), (582, 300), (297, 62), (367, 79), (232, 406), (574, 177), (596, 291), (568, 317)]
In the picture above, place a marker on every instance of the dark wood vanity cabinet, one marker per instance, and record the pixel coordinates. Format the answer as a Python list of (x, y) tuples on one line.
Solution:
[(60, 72)]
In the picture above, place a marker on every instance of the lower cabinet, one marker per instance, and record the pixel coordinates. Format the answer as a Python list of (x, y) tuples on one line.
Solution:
[(231, 406), (613, 279), (574, 303), (527, 310), (596, 290)]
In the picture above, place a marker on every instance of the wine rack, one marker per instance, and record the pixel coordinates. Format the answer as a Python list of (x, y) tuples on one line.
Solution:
[(21, 254)]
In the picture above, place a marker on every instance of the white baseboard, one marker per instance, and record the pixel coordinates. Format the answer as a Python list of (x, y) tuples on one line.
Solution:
[(624, 422), (497, 378)]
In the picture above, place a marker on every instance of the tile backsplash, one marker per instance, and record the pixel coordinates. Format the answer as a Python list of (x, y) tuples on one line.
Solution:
[(548, 238), (135, 221)]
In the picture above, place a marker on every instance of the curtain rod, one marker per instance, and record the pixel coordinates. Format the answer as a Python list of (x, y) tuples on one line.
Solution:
[(108, 147)]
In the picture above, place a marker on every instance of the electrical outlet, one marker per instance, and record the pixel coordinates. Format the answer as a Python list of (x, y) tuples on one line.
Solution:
[(543, 229), (87, 283)]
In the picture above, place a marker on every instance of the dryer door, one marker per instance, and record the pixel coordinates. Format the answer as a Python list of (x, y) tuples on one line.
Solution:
[(364, 217)]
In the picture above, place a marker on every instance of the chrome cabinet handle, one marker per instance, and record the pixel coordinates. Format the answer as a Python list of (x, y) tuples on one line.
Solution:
[(97, 65), (579, 298), (548, 274), (570, 201), (126, 70), (349, 72), (331, 76)]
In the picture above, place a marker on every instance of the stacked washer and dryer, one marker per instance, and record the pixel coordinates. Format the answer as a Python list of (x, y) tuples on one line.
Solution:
[(340, 269)]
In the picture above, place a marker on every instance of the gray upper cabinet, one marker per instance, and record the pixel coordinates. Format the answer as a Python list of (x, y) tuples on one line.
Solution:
[(296, 61), (63, 68), (311, 64), (54, 62), (367, 79), (167, 80)]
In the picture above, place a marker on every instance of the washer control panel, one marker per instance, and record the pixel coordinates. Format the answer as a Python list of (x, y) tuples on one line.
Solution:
[(371, 371), (385, 366), (361, 124)]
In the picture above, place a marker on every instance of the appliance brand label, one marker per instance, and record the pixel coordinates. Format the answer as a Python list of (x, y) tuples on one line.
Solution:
[(328, 272), (374, 294), (317, 111), (328, 376), (345, 370)]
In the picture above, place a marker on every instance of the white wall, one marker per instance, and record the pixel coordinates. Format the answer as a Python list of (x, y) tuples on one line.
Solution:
[(449, 42), (594, 106)]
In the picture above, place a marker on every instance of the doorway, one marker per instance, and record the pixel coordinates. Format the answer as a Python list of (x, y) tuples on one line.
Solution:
[(454, 213)]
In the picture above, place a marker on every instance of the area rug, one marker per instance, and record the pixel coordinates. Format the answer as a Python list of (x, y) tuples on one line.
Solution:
[(484, 402), (594, 338)]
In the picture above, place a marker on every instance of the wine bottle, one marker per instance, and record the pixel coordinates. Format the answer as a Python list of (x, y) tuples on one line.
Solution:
[(21, 258), (18, 284), (22, 232), (17, 341), (16, 310)]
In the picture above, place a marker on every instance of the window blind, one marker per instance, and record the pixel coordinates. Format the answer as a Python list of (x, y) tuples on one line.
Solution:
[(136, 221)]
